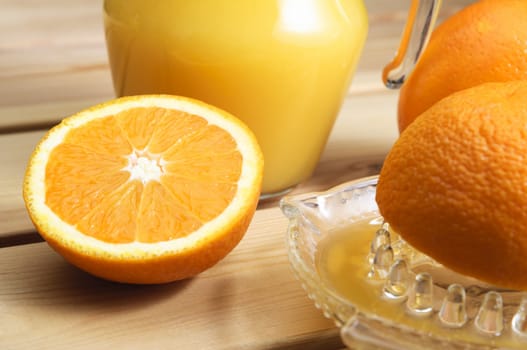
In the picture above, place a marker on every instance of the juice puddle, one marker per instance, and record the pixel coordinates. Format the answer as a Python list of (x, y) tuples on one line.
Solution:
[(342, 264)]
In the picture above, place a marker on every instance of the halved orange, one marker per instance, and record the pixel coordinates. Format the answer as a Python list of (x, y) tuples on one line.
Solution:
[(145, 189)]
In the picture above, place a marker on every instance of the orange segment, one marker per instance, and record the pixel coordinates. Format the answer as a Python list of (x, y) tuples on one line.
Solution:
[(218, 167), (138, 125), (162, 217), (191, 155), (193, 196), (71, 192), (114, 218), (102, 135), (145, 189), (174, 127)]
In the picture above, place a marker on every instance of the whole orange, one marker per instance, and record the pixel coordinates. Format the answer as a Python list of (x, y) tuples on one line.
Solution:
[(484, 42), (454, 185)]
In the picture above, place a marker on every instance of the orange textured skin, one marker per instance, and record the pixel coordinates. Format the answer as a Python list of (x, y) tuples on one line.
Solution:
[(484, 42), (454, 185)]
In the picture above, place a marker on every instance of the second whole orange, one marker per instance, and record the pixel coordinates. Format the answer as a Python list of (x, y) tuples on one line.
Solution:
[(484, 42), (454, 185)]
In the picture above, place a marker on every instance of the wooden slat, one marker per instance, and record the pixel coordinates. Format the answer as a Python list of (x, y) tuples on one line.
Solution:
[(50, 54), (13, 218), (250, 300), (37, 116)]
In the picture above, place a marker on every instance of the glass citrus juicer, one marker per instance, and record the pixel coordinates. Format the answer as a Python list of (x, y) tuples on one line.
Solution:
[(381, 292)]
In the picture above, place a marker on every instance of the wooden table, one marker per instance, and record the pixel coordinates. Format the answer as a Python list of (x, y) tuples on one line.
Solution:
[(53, 63)]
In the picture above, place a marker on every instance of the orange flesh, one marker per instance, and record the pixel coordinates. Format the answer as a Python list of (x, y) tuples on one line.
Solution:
[(88, 184)]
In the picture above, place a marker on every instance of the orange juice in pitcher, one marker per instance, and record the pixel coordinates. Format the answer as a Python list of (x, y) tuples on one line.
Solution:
[(281, 66)]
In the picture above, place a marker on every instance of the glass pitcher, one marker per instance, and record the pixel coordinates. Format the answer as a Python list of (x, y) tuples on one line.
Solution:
[(281, 66)]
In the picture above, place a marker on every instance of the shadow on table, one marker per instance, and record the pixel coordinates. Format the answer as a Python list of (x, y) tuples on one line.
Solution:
[(45, 279)]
